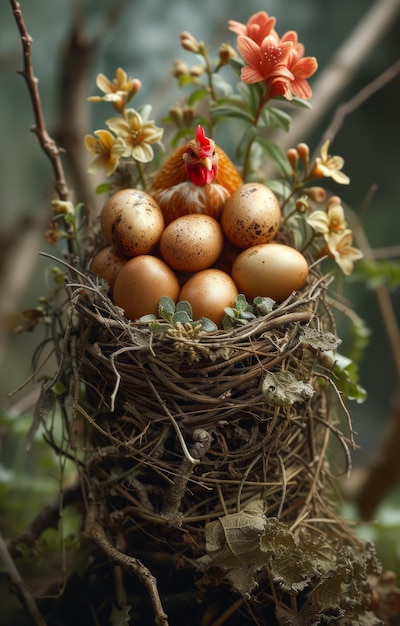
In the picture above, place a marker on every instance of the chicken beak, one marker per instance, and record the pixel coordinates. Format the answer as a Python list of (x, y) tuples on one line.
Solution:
[(207, 163)]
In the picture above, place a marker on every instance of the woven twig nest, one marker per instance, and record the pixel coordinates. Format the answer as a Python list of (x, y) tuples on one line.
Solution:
[(207, 459)]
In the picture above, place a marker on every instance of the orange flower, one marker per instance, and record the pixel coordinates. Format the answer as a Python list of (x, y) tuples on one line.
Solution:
[(259, 26), (266, 62), (301, 67)]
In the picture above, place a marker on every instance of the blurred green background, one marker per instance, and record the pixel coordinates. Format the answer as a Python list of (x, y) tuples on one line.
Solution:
[(144, 40)]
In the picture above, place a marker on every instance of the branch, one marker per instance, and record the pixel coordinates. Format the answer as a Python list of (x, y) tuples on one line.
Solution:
[(48, 144), (21, 589), (95, 532)]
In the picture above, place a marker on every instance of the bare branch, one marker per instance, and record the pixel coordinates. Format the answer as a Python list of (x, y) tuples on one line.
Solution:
[(21, 589), (48, 144)]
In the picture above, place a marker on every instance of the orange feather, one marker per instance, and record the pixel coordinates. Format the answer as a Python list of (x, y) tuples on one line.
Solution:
[(173, 187)]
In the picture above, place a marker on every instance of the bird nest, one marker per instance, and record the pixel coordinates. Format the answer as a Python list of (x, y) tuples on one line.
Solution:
[(206, 456)]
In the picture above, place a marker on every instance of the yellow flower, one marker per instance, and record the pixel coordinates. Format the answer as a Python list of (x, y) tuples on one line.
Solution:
[(108, 149), (329, 221), (339, 247), (137, 132), (117, 91), (328, 166)]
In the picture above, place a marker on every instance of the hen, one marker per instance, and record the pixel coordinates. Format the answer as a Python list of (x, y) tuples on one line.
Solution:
[(197, 178)]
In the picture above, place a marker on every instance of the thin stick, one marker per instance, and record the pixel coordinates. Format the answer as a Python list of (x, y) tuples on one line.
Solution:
[(130, 563), (21, 589)]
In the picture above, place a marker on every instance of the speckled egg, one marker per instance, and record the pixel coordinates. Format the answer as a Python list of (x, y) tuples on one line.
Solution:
[(251, 215), (132, 222), (192, 242), (107, 263)]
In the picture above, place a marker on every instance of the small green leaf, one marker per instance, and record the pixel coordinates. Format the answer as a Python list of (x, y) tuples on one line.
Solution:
[(263, 304), (103, 188), (346, 373), (166, 308), (207, 325), (197, 95), (59, 389), (276, 155), (184, 306), (226, 111), (181, 317), (147, 318)]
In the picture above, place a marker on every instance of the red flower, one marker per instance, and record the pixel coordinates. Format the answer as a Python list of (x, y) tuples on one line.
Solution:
[(259, 26), (266, 62), (301, 67)]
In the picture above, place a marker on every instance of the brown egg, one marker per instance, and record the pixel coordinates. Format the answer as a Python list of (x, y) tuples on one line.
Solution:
[(132, 222), (141, 284), (192, 242), (107, 263), (208, 293), (251, 215), (271, 270)]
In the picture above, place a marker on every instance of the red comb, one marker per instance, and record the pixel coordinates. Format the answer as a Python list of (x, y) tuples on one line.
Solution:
[(205, 143)]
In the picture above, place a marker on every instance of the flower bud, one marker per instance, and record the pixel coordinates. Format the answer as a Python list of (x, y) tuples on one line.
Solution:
[(318, 194), (188, 42), (333, 200), (180, 68), (188, 115), (302, 204), (176, 114), (293, 157), (226, 53), (304, 153), (196, 70)]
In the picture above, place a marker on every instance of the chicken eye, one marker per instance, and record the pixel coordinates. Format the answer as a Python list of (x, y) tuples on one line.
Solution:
[(192, 154)]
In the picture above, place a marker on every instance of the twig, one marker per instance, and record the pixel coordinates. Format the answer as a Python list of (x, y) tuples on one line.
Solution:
[(48, 145), (24, 594), (95, 532), (362, 96)]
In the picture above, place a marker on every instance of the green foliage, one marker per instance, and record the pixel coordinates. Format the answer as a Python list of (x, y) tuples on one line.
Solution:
[(172, 314), (346, 379), (375, 273)]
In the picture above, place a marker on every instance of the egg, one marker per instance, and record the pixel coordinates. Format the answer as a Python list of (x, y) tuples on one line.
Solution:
[(251, 215), (107, 263), (208, 293), (272, 270), (141, 283), (192, 242), (132, 222)]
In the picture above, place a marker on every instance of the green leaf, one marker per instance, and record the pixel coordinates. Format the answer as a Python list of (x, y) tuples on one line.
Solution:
[(59, 389), (346, 373), (375, 273), (184, 306), (275, 118), (226, 111), (263, 304), (103, 188), (181, 317), (166, 308), (236, 65), (197, 95), (207, 325), (276, 155)]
